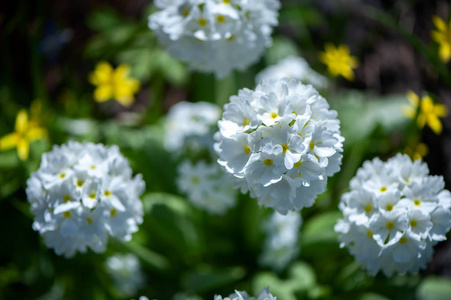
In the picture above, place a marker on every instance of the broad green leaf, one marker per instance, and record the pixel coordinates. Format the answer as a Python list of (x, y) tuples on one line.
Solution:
[(434, 288), (208, 279)]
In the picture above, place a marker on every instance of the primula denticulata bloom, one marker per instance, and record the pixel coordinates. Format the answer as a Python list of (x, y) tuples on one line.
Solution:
[(215, 35), (125, 270), (393, 216), (82, 194), (281, 244), (189, 130), (263, 295), (293, 68), (280, 142)]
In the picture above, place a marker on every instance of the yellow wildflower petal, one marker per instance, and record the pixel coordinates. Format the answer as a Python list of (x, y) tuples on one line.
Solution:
[(440, 110), (435, 124), (445, 52), (23, 149), (9, 141), (121, 73), (36, 133), (103, 93), (427, 105), (413, 98), (421, 121), (102, 74), (439, 23), (22, 121), (125, 100)]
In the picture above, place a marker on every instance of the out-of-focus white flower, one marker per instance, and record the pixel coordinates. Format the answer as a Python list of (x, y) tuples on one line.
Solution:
[(215, 35), (81, 194), (281, 244), (125, 270), (293, 68), (189, 131), (190, 125), (263, 295), (393, 216), (282, 140), (207, 186)]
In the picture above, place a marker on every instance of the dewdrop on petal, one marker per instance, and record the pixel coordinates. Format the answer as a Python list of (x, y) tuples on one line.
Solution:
[(282, 141), (393, 215), (215, 36), (263, 295), (83, 193)]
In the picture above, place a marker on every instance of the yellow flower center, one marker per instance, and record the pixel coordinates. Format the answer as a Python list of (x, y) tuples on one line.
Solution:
[(368, 208), (274, 115), (268, 162), (383, 189), (80, 183), (202, 22), (66, 198), (369, 234), (220, 19), (113, 212), (247, 149), (195, 179), (390, 225), (185, 12), (312, 145), (298, 164), (417, 202), (89, 221), (413, 223), (231, 38), (92, 196), (285, 148), (389, 207), (245, 122), (67, 214), (403, 240), (107, 193), (226, 1), (62, 175)]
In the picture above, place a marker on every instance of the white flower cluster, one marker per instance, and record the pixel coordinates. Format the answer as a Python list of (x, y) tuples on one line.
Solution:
[(125, 271), (189, 125), (215, 35), (393, 216), (293, 68), (189, 130), (281, 243), (81, 194), (207, 186), (263, 295), (282, 142)]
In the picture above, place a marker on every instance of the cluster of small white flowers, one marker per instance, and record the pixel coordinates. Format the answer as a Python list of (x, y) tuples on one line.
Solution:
[(81, 194), (189, 131), (207, 186), (393, 216), (263, 295), (293, 68), (281, 244), (282, 142), (125, 271), (190, 125), (215, 35)]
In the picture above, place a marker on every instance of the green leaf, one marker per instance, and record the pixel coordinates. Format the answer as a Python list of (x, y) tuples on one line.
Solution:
[(434, 288), (208, 279), (320, 228)]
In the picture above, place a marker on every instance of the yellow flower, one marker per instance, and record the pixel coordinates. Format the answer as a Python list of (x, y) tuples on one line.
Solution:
[(429, 113), (339, 61), (416, 150), (113, 84), (25, 132), (443, 37)]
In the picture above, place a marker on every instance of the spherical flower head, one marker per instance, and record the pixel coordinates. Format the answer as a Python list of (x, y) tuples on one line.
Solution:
[(125, 271), (83, 193), (215, 36), (281, 243), (393, 216), (263, 295), (282, 141), (190, 125), (294, 68), (207, 186)]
